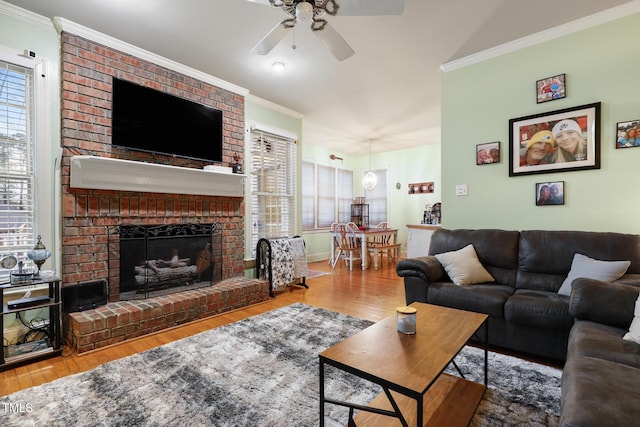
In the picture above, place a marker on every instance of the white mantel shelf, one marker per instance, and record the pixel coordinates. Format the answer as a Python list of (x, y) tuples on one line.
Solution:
[(105, 173)]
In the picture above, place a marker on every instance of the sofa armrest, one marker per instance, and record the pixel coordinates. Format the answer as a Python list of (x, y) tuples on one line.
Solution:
[(427, 268), (603, 302)]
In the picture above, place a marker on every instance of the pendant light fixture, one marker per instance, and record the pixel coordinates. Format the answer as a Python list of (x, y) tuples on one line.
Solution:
[(370, 179)]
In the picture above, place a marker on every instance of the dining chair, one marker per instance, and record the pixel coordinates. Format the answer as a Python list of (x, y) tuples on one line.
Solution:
[(335, 249), (353, 226), (348, 245), (381, 245)]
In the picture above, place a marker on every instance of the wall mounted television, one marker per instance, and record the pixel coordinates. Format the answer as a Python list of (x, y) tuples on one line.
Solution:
[(145, 119)]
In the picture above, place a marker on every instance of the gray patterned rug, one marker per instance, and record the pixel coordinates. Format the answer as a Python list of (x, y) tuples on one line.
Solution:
[(262, 371)]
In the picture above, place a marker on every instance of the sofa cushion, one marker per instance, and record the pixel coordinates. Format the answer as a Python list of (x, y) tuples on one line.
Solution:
[(545, 257), (463, 267), (583, 266), (597, 392), (634, 329), (497, 249), (603, 302), (488, 299), (539, 309), (591, 339)]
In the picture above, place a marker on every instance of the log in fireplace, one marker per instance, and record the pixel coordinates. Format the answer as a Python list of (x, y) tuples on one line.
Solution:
[(162, 259)]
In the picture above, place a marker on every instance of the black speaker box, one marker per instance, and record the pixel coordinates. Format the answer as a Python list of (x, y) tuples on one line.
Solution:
[(84, 296)]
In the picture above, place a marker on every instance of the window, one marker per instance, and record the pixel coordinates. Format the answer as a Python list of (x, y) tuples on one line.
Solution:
[(377, 199), (16, 161), (273, 186), (327, 194)]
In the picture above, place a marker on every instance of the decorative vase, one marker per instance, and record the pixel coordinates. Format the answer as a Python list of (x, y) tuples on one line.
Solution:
[(39, 254)]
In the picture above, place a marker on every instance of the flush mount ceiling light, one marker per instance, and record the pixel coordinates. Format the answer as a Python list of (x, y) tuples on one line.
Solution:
[(278, 66), (370, 179), (312, 11)]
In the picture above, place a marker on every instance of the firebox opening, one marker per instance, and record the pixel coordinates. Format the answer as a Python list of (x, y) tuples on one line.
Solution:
[(159, 260)]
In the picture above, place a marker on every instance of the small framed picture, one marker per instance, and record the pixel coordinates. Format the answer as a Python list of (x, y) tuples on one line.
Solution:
[(550, 193), (551, 88), (628, 134), (488, 153)]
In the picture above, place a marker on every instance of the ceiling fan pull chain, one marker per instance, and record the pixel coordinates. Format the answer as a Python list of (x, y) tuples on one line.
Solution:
[(293, 46)]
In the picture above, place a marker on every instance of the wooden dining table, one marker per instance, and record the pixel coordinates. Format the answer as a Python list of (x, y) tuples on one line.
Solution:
[(368, 235)]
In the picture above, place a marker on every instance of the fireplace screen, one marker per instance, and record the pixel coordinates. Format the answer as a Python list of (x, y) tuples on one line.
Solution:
[(157, 260)]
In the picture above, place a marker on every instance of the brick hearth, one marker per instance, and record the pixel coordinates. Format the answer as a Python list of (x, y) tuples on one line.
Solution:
[(120, 321)]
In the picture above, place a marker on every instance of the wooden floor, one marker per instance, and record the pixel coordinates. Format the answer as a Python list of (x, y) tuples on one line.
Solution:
[(369, 294)]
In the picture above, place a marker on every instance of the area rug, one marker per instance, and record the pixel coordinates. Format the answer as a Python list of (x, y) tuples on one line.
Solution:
[(261, 371), (315, 273)]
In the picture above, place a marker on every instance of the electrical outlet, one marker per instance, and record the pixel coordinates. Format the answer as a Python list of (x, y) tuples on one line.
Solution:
[(461, 190)]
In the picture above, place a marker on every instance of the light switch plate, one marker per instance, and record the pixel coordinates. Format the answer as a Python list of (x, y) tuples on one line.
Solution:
[(461, 190)]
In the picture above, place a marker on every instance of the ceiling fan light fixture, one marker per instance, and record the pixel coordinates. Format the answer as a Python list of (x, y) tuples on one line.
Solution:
[(304, 11)]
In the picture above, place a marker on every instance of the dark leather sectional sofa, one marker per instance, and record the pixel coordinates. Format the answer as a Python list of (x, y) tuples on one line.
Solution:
[(601, 377), (526, 313)]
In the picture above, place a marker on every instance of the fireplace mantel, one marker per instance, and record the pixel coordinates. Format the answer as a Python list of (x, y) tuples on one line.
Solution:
[(105, 173)]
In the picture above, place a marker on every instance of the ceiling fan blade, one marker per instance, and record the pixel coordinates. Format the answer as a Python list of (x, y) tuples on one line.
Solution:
[(370, 7), (272, 39), (338, 46), (265, 2)]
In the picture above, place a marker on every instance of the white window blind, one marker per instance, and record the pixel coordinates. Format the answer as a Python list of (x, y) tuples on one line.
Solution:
[(308, 195), (327, 194), (377, 199), (16, 162), (345, 195), (273, 186), (326, 191)]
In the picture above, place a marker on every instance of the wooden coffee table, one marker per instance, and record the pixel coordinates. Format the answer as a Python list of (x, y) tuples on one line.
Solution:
[(409, 368)]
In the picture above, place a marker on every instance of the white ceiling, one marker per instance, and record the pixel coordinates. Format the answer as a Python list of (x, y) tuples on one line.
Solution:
[(387, 93)]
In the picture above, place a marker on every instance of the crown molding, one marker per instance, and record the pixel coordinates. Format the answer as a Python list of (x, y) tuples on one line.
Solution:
[(594, 20), (64, 25), (272, 106), (26, 16)]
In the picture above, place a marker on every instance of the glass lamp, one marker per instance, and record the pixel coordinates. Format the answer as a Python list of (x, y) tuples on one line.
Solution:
[(370, 180), (39, 254)]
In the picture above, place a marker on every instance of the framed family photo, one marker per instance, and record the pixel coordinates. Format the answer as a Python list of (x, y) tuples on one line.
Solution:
[(556, 141), (550, 193), (488, 153), (551, 88), (628, 134)]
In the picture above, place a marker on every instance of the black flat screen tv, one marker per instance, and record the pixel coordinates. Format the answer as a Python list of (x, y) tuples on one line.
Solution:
[(145, 119)]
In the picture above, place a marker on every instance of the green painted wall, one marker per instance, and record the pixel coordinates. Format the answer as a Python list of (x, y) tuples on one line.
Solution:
[(601, 65), (421, 164)]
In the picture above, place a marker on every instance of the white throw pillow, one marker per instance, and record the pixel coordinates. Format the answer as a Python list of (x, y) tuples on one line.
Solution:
[(464, 267), (583, 266), (634, 329)]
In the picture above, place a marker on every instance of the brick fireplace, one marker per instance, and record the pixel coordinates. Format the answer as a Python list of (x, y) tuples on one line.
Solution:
[(87, 70), (88, 214)]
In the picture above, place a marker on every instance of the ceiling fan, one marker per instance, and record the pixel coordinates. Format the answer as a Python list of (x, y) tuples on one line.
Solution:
[(304, 11)]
